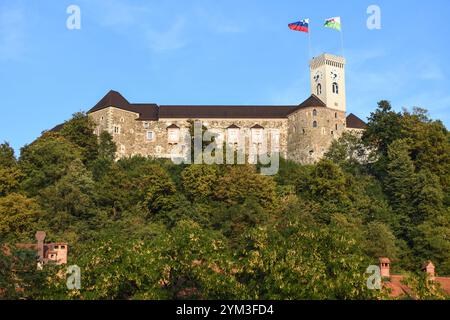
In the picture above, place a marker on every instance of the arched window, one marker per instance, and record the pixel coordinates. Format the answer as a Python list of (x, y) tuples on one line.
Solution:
[(319, 89), (335, 114), (314, 112), (314, 124), (335, 88)]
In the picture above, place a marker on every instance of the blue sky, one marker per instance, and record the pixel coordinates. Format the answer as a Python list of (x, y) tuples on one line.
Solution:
[(212, 52)]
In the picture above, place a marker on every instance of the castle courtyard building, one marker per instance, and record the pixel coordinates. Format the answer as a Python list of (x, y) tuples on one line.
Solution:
[(302, 133)]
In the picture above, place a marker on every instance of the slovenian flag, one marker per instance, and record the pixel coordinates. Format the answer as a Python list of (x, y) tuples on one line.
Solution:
[(302, 25), (333, 23)]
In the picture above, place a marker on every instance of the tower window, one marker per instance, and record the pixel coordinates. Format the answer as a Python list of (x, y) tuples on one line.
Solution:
[(314, 112), (335, 88), (319, 89), (335, 114), (314, 124), (336, 127)]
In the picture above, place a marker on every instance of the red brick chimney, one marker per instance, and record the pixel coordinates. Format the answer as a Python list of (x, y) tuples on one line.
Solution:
[(40, 237), (385, 265)]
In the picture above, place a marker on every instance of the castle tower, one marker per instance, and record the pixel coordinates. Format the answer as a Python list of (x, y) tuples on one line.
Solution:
[(328, 80)]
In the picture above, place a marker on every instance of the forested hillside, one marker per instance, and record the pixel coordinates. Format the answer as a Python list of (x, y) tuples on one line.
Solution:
[(149, 229)]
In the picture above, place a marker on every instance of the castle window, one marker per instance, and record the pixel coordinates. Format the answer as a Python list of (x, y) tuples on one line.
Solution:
[(275, 143), (332, 133), (319, 89), (335, 114), (116, 130), (122, 120), (173, 133), (336, 127), (233, 134), (150, 135), (314, 112), (146, 125), (335, 88), (314, 124), (304, 131), (257, 134)]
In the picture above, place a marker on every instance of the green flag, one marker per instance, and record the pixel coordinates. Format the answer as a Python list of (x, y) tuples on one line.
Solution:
[(333, 23)]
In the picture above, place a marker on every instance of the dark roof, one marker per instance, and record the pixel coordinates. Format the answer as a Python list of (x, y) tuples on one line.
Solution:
[(233, 126), (146, 111), (225, 112), (257, 126), (312, 101), (151, 111), (173, 126), (353, 122)]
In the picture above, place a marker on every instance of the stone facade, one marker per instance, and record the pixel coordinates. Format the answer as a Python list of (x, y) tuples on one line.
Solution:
[(303, 132), (131, 135)]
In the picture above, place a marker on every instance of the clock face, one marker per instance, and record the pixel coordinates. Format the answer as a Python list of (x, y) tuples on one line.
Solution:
[(334, 75), (318, 76)]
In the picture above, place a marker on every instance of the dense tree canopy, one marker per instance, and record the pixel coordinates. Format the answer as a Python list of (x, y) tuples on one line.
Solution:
[(142, 228)]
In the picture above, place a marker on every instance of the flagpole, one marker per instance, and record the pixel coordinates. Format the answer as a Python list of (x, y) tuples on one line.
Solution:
[(342, 41), (309, 42)]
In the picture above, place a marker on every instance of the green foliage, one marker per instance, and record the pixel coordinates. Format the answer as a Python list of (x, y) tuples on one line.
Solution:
[(106, 146), (17, 214), (142, 228), (7, 158), (46, 160), (80, 131)]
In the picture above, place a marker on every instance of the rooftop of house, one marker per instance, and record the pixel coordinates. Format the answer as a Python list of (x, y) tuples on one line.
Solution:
[(152, 111)]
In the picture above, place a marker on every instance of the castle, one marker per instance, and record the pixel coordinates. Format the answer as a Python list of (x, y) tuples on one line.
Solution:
[(301, 133)]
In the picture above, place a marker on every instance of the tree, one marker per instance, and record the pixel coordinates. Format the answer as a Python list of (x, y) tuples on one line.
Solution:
[(70, 199), (199, 181), (46, 160), (7, 158), (383, 127), (348, 152), (17, 214), (380, 241), (400, 181), (240, 182), (106, 147), (10, 179), (80, 131)]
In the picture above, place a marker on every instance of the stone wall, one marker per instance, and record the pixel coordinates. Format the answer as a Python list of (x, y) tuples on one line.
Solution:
[(299, 140), (308, 144), (130, 134)]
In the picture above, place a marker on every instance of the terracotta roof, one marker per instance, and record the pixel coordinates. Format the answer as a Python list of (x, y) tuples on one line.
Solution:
[(353, 122), (398, 289)]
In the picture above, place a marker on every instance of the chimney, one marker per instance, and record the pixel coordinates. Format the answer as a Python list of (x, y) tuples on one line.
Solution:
[(40, 237), (429, 268), (385, 265)]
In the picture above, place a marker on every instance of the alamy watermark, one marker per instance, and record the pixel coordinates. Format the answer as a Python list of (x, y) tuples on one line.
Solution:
[(74, 278), (230, 146), (374, 280), (73, 22)]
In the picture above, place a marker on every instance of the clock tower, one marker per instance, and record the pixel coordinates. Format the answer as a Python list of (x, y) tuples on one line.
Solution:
[(328, 80)]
